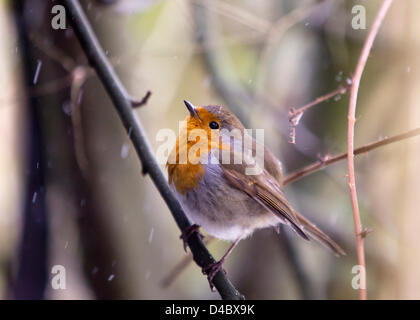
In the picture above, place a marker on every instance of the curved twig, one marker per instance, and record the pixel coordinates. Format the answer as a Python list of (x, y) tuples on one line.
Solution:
[(118, 95), (350, 140), (295, 114)]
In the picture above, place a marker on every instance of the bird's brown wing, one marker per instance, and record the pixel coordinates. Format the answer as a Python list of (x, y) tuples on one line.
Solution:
[(266, 191), (273, 167)]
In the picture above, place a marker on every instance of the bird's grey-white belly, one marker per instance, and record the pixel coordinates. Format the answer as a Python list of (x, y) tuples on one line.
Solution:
[(224, 211)]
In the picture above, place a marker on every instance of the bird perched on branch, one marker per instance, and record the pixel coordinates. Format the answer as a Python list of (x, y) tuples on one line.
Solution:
[(230, 184)]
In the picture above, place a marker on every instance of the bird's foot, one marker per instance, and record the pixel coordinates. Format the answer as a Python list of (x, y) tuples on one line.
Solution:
[(187, 233), (212, 269)]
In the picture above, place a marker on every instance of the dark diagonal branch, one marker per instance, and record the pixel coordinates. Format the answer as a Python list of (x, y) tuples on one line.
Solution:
[(123, 105)]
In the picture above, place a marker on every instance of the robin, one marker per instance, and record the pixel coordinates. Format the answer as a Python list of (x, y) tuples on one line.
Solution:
[(226, 191)]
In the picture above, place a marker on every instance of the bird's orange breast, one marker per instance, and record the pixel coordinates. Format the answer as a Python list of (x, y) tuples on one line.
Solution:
[(186, 171), (195, 140), (185, 177)]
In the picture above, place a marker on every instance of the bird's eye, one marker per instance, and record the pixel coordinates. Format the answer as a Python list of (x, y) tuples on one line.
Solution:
[(214, 125)]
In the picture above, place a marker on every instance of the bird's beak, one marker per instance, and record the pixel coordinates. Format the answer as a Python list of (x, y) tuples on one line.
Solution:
[(191, 109)]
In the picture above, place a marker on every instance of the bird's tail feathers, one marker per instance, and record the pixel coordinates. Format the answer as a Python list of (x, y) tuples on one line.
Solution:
[(315, 233)]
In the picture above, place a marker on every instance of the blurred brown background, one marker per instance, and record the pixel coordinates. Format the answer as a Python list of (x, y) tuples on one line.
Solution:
[(71, 189)]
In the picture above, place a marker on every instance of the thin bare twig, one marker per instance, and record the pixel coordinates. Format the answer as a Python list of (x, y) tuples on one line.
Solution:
[(350, 141), (329, 160), (170, 278), (54, 53), (295, 114), (142, 102), (79, 76)]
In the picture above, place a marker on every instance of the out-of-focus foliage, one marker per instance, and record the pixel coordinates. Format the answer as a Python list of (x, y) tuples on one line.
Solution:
[(258, 58)]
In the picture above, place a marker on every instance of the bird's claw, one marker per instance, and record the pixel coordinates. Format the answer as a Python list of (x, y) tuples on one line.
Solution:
[(211, 270), (188, 232)]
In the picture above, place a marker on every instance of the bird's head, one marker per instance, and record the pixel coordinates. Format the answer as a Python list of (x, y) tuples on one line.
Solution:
[(211, 119)]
